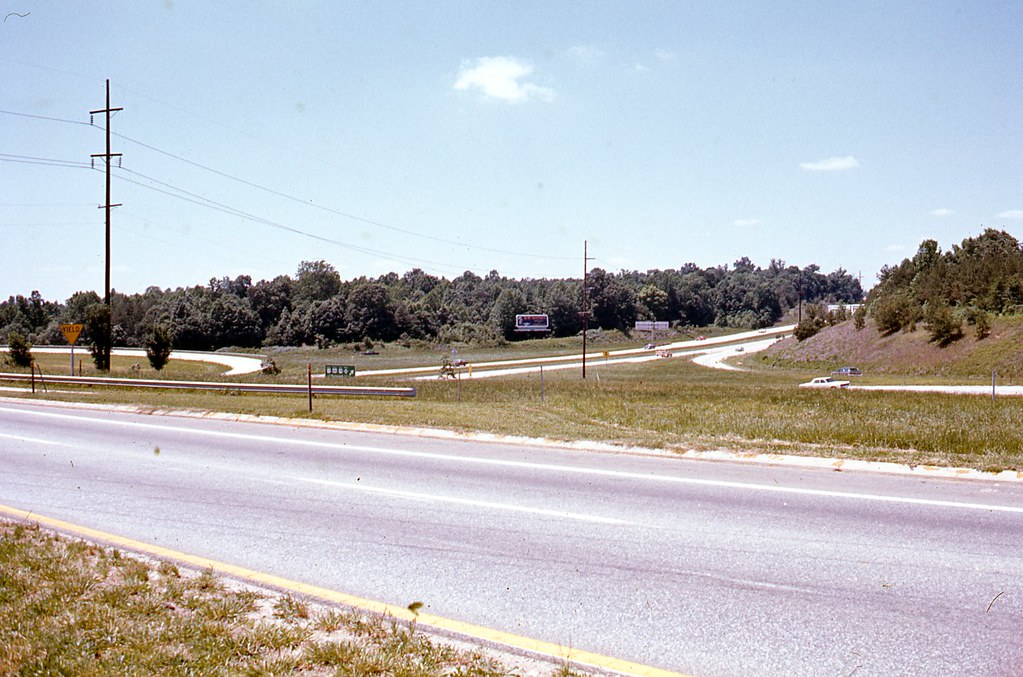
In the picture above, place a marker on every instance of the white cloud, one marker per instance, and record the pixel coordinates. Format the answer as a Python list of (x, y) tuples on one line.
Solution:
[(501, 77), (640, 68), (587, 55), (831, 164), (1015, 214), (744, 223), (942, 212), (665, 55)]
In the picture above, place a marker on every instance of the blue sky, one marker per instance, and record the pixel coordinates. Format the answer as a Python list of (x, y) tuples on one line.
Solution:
[(454, 136)]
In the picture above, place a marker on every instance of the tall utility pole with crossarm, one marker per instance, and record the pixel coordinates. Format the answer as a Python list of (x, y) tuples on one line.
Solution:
[(107, 156), (107, 342)]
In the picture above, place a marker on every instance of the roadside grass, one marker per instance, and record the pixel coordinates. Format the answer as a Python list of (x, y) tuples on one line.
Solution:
[(70, 607), (667, 404), (59, 364)]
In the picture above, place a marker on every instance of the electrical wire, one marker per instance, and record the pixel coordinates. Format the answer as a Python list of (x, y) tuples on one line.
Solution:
[(276, 193), (44, 117), (53, 162), (188, 196), (337, 212)]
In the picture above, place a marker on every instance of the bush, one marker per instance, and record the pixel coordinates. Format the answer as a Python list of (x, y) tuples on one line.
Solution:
[(945, 328), (860, 317), (158, 347), (20, 350), (807, 327), (98, 329)]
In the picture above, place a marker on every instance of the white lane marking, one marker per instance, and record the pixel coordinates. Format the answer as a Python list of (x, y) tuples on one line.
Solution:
[(616, 474), (435, 498), (35, 440)]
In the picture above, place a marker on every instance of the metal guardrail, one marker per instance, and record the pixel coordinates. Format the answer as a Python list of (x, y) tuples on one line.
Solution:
[(279, 388)]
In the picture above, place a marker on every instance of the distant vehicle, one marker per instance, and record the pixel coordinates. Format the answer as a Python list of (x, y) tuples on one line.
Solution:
[(701, 338), (458, 362), (824, 382), (739, 349), (847, 371), (649, 346), (370, 352), (664, 353)]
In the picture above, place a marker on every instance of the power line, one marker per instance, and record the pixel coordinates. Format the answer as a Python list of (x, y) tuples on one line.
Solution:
[(202, 201), (337, 212), (304, 202), (45, 117), (52, 162)]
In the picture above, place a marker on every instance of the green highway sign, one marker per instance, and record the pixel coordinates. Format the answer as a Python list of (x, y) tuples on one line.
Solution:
[(339, 370)]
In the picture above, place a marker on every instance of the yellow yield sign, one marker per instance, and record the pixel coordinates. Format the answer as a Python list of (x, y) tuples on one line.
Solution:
[(71, 332)]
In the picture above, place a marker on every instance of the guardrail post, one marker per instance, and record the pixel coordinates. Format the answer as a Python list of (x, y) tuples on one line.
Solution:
[(309, 374)]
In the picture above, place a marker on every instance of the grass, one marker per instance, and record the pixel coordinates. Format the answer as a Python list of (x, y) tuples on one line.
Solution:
[(69, 607), (669, 404)]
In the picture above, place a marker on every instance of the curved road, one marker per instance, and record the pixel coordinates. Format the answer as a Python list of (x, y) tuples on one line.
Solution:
[(237, 364), (703, 568)]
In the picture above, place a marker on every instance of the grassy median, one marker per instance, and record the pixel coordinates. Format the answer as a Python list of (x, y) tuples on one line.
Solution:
[(667, 403)]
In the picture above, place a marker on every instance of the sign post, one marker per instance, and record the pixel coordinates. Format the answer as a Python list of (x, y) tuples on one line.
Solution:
[(71, 332)]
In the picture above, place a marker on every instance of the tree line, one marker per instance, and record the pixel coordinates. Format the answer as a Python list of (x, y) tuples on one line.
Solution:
[(317, 307), (946, 292)]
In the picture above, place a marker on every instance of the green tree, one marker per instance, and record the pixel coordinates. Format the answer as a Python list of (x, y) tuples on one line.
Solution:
[(510, 302), (316, 281), (370, 313), (860, 317), (19, 350), (652, 303), (97, 328), (945, 328), (159, 346)]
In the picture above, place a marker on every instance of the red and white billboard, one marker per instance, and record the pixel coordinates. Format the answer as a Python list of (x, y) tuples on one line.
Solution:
[(532, 323)]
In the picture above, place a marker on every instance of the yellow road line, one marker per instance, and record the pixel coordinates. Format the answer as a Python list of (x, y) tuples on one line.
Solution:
[(550, 649)]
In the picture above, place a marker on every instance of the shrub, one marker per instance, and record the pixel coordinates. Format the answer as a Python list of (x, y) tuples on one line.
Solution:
[(860, 317), (158, 347), (944, 327), (98, 329), (20, 350), (808, 326)]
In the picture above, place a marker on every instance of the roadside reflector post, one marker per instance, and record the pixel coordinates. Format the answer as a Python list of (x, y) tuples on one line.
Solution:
[(32, 366), (541, 383), (309, 379)]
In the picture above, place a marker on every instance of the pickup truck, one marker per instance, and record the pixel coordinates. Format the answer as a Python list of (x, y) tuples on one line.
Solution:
[(824, 382)]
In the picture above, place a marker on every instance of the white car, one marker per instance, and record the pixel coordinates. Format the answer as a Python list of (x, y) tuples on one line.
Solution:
[(824, 382)]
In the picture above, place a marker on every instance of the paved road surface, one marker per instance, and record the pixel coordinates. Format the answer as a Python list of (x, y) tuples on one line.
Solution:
[(705, 568)]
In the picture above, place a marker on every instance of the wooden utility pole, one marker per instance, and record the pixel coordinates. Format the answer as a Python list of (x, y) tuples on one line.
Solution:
[(106, 156), (107, 205), (586, 306)]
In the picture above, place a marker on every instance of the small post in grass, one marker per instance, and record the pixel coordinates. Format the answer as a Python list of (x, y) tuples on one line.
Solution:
[(309, 379), (541, 383), (993, 374)]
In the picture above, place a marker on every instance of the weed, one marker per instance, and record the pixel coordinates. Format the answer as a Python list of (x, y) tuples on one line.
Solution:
[(290, 608)]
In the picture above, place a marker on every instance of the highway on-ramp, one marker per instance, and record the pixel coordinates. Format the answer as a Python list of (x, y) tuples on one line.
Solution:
[(698, 567)]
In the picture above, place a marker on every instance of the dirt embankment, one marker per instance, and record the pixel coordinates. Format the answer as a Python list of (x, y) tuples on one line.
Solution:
[(909, 352)]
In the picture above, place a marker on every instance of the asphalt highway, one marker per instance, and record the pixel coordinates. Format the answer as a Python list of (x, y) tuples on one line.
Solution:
[(707, 568)]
